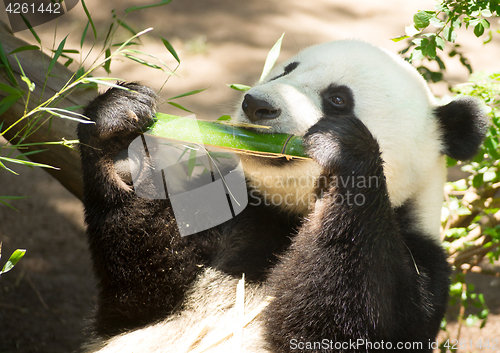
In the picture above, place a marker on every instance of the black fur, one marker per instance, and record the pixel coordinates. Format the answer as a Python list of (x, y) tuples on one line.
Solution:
[(142, 265), (330, 108), (356, 271), (353, 271), (463, 127), (289, 68)]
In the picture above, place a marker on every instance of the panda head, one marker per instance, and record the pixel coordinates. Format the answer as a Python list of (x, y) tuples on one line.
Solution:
[(389, 96)]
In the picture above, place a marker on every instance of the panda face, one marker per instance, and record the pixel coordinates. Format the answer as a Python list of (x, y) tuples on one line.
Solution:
[(337, 78), (346, 78)]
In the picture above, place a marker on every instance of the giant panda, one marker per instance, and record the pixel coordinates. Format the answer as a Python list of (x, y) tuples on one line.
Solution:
[(323, 272)]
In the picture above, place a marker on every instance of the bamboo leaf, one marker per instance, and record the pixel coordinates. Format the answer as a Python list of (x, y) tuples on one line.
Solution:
[(126, 26), (140, 52), (10, 206), (125, 44), (171, 49), (90, 18), (110, 30), (177, 105), (272, 57), (13, 197), (7, 168), (11, 90), (19, 64), (84, 34), (400, 38), (57, 54), (68, 62), (60, 110), (24, 48), (142, 61), (27, 163), (62, 113), (30, 27), (6, 64), (13, 260), (103, 81), (8, 102), (29, 153), (190, 93), (135, 8), (74, 107), (69, 51), (134, 37), (238, 87), (107, 63)]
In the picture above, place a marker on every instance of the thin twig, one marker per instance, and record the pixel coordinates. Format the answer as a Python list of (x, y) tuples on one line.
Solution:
[(39, 296)]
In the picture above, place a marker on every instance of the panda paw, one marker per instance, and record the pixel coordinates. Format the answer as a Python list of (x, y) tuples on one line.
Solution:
[(119, 113), (341, 144)]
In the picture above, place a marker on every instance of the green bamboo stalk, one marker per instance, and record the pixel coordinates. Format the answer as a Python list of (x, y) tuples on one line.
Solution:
[(226, 136)]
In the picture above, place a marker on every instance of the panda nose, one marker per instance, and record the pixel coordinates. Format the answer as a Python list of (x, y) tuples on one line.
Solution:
[(258, 109)]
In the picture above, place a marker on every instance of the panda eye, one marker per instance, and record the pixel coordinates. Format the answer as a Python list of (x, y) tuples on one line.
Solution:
[(338, 101)]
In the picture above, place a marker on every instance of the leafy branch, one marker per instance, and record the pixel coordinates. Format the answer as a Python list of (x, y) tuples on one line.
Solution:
[(12, 261), (471, 212), (435, 31), (19, 88)]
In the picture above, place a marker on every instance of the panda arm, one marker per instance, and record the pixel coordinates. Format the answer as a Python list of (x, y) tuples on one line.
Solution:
[(142, 265), (352, 272)]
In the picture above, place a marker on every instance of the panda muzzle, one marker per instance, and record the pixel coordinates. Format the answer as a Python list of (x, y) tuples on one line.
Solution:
[(259, 109)]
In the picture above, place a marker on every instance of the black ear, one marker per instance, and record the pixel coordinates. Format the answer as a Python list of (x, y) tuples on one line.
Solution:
[(464, 126)]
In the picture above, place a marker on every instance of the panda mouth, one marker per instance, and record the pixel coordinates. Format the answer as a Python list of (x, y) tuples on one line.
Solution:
[(271, 161)]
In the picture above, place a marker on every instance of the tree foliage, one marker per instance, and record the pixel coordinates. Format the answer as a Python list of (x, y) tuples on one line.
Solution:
[(471, 211)]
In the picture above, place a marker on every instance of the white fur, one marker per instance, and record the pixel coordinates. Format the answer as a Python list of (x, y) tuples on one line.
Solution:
[(392, 100), (289, 187), (203, 325)]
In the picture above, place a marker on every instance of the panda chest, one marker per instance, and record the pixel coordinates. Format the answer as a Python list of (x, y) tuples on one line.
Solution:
[(290, 187)]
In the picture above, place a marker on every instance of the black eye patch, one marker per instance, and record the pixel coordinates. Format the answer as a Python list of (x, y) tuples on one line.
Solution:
[(337, 100), (289, 68)]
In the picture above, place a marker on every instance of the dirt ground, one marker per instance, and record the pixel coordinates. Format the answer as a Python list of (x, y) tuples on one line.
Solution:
[(46, 302)]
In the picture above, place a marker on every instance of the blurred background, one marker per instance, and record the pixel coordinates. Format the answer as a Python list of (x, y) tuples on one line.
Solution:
[(46, 302)]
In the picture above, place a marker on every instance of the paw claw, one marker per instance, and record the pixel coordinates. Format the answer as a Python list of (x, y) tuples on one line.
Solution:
[(132, 115)]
